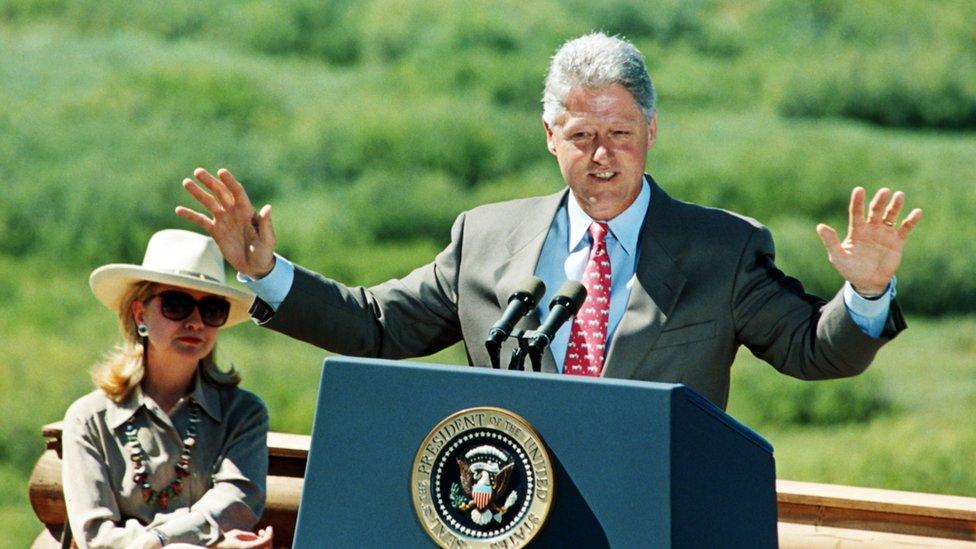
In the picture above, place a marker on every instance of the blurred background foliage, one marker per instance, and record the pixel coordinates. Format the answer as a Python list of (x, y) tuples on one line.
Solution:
[(370, 124), (774, 109)]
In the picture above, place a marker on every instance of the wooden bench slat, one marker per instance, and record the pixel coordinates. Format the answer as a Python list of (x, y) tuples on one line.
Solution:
[(288, 445), (808, 536), (876, 499)]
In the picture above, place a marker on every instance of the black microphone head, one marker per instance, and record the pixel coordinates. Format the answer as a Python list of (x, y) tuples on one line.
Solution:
[(530, 290), (571, 295)]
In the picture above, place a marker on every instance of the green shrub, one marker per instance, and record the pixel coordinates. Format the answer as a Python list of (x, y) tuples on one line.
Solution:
[(424, 209), (903, 64), (322, 30), (889, 88), (896, 453), (471, 142), (764, 399), (106, 113)]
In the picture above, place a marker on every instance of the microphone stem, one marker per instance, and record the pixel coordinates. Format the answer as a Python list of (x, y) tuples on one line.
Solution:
[(518, 358), (535, 355), (494, 352)]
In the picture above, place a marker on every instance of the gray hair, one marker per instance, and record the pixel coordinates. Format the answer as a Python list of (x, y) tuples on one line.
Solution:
[(596, 61)]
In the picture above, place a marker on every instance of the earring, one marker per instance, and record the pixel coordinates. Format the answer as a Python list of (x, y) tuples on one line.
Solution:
[(143, 330)]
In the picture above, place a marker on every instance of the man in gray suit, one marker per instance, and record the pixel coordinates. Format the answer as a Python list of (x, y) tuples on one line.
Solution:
[(687, 284)]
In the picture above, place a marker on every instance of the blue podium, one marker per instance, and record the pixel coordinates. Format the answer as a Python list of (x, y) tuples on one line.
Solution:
[(634, 464)]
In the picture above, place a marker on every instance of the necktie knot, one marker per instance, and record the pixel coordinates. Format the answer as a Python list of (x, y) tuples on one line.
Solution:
[(598, 231)]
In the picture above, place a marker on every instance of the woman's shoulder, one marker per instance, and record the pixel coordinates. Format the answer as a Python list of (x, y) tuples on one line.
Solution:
[(85, 408), (238, 400), (249, 399)]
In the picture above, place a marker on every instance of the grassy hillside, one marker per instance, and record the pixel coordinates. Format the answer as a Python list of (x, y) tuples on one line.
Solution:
[(774, 109), (371, 124)]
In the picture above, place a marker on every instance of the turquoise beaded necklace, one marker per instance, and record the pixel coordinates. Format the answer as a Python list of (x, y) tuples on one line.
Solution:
[(140, 461)]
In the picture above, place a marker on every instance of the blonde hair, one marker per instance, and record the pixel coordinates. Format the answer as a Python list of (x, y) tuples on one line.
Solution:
[(124, 366)]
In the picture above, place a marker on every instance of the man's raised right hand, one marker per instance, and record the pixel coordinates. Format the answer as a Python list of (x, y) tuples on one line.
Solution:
[(245, 236)]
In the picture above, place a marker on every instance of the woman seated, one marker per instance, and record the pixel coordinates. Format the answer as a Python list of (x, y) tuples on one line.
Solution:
[(168, 449)]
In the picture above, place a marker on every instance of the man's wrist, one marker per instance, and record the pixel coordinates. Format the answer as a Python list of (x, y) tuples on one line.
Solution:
[(263, 272), (870, 294), (163, 538), (275, 285)]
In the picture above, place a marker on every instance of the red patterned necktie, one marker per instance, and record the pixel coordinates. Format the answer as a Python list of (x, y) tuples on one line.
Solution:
[(587, 341)]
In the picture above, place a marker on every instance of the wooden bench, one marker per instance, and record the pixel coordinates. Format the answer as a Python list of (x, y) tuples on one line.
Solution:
[(810, 515), (287, 454)]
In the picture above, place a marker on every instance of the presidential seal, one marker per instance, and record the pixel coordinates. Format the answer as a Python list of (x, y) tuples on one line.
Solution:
[(482, 478)]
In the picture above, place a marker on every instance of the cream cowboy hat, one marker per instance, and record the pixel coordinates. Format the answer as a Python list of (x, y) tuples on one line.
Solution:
[(175, 257)]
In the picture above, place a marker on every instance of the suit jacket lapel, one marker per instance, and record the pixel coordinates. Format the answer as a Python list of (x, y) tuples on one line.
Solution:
[(654, 292), (522, 250)]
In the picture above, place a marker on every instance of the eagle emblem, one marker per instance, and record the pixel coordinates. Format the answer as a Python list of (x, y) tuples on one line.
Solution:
[(484, 473), (483, 479)]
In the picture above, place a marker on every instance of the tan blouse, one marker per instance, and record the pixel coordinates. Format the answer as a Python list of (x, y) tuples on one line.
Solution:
[(228, 466)]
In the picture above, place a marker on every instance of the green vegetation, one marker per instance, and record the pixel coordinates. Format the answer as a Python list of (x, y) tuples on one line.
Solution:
[(774, 109), (371, 124), (908, 419)]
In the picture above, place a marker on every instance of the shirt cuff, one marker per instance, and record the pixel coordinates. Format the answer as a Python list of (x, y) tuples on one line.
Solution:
[(187, 527), (869, 314), (274, 286)]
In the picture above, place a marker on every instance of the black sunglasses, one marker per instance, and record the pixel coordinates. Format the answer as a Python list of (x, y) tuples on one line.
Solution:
[(176, 305)]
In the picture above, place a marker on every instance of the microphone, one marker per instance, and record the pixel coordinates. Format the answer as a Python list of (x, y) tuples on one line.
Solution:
[(563, 306), (527, 293)]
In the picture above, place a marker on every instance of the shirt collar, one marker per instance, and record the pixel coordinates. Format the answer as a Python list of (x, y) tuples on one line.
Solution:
[(207, 396), (203, 394), (625, 227), (117, 413)]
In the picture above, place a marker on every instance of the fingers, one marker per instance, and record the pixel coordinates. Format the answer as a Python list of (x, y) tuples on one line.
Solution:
[(265, 227), (885, 208), (216, 186), (197, 219), (878, 203), (829, 238), (267, 536), (226, 199), (855, 210), (235, 188), (890, 216), (909, 223), (202, 196)]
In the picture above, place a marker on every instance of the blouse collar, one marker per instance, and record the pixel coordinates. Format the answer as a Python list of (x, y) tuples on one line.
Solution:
[(203, 393)]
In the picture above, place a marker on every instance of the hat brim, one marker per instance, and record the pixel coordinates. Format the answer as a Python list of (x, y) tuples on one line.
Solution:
[(110, 283)]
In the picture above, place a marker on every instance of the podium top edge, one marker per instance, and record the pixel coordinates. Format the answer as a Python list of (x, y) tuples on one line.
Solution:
[(481, 370), (737, 426), (690, 395)]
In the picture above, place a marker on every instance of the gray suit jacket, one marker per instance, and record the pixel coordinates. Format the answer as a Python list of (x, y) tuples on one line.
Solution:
[(705, 284)]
